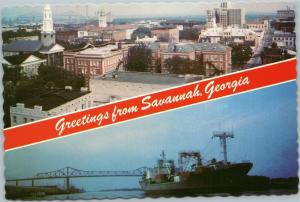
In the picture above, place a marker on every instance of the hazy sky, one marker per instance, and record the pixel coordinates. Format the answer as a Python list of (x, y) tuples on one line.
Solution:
[(139, 8), (264, 123)]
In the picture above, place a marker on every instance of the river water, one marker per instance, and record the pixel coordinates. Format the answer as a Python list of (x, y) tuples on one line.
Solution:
[(127, 194), (100, 188), (123, 187), (113, 194)]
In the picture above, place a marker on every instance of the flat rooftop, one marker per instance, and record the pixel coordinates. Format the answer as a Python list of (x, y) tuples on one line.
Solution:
[(129, 84), (99, 50), (53, 99), (144, 77)]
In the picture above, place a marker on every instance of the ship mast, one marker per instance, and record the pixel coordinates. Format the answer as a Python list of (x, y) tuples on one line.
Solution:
[(223, 136)]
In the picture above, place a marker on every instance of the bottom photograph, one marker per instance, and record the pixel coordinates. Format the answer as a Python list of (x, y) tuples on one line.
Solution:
[(239, 145)]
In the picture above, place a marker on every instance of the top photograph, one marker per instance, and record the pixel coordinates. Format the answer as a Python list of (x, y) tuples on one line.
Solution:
[(62, 58)]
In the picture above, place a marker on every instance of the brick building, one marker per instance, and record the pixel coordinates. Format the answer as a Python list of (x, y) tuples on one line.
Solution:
[(96, 60), (285, 20), (66, 36), (213, 54), (166, 34), (109, 33)]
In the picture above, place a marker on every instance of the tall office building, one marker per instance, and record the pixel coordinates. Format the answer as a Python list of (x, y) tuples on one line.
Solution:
[(226, 15), (223, 18), (211, 19), (236, 16), (225, 5)]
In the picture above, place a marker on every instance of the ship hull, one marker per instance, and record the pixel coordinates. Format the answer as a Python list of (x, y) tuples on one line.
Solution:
[(221, 179)]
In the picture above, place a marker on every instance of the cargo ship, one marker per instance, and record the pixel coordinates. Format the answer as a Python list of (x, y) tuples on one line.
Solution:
[(193, 175)]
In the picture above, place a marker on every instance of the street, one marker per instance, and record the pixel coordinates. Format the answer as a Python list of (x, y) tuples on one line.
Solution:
[(264, 41)]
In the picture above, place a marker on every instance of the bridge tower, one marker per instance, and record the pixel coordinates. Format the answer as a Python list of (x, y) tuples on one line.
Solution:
[(68, 184)]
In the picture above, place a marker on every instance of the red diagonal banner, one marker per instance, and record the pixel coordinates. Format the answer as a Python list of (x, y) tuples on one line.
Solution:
[(192, 93)]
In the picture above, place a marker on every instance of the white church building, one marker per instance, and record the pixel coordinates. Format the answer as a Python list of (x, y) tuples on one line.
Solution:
[(36, 52)]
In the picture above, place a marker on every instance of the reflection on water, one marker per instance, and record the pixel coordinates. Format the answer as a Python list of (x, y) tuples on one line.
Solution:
[(127, 194), (99, 195), (128, 187), (101, 188), (106, 183)]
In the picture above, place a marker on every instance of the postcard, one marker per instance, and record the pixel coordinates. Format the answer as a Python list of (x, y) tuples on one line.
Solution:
[(107, 100)]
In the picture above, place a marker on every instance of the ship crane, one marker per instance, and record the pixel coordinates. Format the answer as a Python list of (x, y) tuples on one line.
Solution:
[(223, 136)]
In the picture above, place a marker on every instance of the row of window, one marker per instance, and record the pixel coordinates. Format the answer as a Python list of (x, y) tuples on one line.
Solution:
[(69, 60), (206, 57), (283, 38), (92, 71), (213, 57), (25, 120), (256, 26), (107, 61)]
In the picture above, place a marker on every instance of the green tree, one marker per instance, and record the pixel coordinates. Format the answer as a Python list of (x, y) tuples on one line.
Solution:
[(198, 66), (71, 46), (139, 58), (240, 54), (56, 77), (140, 32), (12, 74), (10, 78), (158, 65), (18, 87), (274, 54), (274, 45), (178, 65), (189, 34), (8, 35)]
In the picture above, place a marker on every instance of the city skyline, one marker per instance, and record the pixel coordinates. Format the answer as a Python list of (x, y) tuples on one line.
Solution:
[(137, 10)]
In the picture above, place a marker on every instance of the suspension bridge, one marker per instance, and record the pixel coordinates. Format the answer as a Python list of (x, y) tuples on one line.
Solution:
[(68, 172)]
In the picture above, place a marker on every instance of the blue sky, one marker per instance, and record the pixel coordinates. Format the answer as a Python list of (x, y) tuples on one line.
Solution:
[(264, 123)]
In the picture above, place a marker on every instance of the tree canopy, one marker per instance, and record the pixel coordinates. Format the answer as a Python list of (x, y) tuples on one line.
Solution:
[(240, 54), (274, 54), (178, 65), (139, 58), (189, 34), (6, 36), (140, 32), (71, 46), (18, 87)]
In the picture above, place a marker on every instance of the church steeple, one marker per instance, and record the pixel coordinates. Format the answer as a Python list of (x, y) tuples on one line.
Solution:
[(48, 33), (102, 18), (47, 19)]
